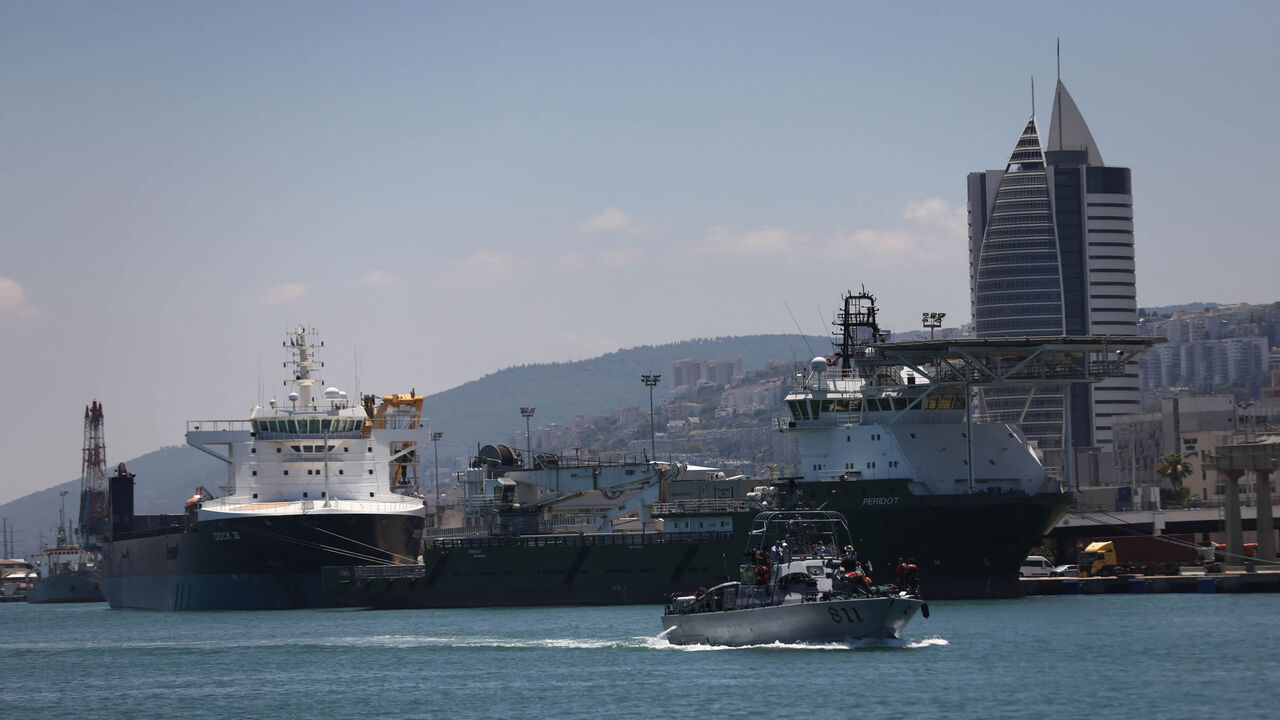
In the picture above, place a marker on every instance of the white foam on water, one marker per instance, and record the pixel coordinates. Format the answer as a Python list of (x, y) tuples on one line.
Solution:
[(403, 641), (928, 642)]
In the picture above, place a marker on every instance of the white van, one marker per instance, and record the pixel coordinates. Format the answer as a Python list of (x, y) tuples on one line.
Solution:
[(1035, 566)]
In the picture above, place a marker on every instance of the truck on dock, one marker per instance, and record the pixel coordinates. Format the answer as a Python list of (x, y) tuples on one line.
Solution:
[(1141, 554)]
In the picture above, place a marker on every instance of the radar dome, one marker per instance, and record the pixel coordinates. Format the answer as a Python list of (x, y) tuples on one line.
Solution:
[(293, 397), (818, 364), (332, 393)]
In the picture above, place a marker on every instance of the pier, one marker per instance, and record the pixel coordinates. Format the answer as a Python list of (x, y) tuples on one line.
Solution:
[(1245, 580)]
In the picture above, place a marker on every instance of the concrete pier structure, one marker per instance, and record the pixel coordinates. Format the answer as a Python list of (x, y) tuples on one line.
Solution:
[(1261, 457)]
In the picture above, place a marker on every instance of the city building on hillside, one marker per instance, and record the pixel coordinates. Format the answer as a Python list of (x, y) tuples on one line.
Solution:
[(1224, 347), (1051, 252), (692, 372)]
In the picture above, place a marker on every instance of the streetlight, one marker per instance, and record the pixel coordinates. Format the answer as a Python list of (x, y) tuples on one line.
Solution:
[(435, 443), (650, 380), (527, 412), (932, 320)]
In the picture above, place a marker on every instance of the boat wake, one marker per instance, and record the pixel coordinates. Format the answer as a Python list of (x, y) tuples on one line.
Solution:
[(411, 641), (660, 643)]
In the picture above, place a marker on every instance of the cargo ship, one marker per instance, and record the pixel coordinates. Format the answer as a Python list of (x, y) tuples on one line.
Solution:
[(311, 481), (897, 450)]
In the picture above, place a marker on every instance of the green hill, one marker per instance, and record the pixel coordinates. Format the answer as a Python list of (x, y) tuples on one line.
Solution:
[(488, 410)]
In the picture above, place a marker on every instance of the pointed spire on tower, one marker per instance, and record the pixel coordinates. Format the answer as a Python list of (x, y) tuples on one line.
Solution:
[(1028, 153), (1067, 128)]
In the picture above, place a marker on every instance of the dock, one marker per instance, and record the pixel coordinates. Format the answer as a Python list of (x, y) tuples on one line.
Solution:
[(1231, 581)]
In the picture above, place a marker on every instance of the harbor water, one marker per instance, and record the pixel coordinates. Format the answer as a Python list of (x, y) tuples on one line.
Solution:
[(1158, 656)]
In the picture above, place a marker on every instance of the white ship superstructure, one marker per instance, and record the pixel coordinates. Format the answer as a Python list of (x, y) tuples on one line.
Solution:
[(312, 481), (883, 423), (315, 455)]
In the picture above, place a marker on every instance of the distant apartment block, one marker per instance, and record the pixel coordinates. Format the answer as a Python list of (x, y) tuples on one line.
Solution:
[(1232, 345), (691, 372)]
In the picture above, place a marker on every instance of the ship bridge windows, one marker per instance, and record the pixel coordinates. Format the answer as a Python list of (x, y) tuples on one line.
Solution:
[(310, 426), (944, 402), (799, 409), (312, 448)]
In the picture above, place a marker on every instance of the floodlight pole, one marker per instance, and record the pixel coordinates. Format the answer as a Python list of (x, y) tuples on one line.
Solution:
[(650, 380), (527, 412), (435, 442)]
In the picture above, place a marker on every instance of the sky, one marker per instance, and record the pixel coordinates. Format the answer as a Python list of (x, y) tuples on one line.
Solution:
[(446, 189)]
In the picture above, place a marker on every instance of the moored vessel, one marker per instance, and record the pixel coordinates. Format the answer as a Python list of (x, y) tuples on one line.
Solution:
[(16, 578), (314, 480), (68, 571)]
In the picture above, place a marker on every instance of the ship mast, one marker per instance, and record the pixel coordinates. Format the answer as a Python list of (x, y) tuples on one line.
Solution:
[(62, 540), (93, 480), (858, 327), (303, 360)]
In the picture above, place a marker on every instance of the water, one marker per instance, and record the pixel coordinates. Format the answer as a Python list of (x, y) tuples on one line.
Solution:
[(1155, 656)]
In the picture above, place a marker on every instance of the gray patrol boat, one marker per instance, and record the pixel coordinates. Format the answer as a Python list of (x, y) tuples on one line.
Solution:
[(801, 583)]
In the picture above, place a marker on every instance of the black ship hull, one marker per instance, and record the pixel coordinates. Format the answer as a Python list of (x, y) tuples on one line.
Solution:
[(252, 563), (72, 586), (965, 545)]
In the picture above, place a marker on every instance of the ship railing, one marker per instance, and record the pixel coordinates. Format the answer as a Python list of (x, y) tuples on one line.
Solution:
[(219, 425), (294, 507), (700, 506), (149, 525), (582, 539), (438, 532), (367, 572)]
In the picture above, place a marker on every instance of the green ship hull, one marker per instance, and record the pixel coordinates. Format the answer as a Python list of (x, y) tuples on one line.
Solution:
[(966, 546)]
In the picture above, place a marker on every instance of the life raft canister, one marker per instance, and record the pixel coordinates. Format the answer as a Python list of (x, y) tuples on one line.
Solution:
[(762, 574)]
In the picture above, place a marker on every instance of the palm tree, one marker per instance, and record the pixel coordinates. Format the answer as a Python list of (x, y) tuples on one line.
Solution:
[(1173, 468)]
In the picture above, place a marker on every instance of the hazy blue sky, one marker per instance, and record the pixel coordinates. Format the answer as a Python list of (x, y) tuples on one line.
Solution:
[(447, 189)]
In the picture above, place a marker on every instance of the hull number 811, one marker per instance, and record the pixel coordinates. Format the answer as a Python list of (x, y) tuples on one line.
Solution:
[(844, 614)]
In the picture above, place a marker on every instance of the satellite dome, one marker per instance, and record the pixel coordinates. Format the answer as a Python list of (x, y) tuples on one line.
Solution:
[(293, 397), (818, 364), (332, 393)]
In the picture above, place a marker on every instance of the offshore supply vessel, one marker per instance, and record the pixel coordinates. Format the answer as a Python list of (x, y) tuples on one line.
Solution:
[(895, 448), (312, 481)]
